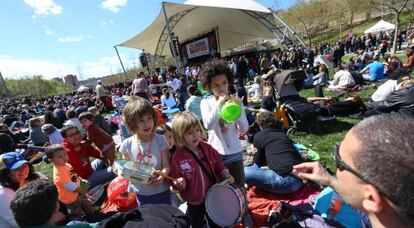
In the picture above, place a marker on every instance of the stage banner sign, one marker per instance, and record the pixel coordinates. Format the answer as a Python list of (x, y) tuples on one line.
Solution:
[(198, 48)]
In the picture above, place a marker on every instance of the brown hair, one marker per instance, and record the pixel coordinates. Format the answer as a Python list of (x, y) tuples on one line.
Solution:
[(323, 68), (33, 121), (135, 109), (86, 115), (183, 122)]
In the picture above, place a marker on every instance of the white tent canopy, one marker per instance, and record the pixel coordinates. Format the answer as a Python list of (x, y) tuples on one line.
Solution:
[(380, 26), (82, 88), (236, 21)]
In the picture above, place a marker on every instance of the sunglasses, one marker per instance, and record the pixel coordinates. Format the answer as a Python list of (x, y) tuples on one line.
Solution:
[(341, 165), (73, 134)]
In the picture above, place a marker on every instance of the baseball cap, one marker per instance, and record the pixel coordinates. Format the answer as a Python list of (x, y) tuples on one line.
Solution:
[(11, 160)]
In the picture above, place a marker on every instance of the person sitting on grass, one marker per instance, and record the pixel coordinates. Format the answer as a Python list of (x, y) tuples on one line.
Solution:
[(410, 57), (15, 172), (167, 99), (274, 159), (71, 192), (80, 152), (36, 205), (343, 79), (194, 101), (268, 103), (375, 70), (97, 136), (35, 134), (100, 120), (401, 100)]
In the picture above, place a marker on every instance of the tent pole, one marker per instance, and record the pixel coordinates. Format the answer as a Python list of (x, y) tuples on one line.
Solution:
[(288, 27), (120, 60), (167, 25)]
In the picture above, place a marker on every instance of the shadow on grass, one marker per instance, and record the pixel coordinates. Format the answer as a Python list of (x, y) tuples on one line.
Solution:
[(327, 127)]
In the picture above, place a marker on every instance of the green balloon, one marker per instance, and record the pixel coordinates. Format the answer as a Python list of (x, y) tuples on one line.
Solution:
[(230, 111)]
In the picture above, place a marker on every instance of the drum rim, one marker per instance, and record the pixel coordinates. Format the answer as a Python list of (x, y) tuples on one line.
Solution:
[(240, 195)]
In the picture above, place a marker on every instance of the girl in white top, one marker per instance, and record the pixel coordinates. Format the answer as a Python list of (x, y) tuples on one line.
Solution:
[(224, 137), (147, 148)]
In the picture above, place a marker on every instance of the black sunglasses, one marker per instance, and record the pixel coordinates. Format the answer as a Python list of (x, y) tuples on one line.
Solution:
[(341, 165)]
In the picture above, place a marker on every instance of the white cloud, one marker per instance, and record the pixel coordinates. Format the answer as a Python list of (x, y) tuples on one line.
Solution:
[(113, 5), (105, 24), (106, 65), (44, 7), (49, 32), (73, 38)]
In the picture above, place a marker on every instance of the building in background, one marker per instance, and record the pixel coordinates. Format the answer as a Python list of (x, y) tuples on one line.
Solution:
[(71, 80)]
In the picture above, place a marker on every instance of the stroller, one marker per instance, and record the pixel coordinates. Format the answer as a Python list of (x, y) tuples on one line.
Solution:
[(286, 87)]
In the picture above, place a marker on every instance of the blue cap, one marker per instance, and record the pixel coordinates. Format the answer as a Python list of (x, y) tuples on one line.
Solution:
[(12, 160)]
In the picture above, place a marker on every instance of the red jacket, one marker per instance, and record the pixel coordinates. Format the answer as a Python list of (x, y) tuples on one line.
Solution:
[(184, 165), (80, 159)]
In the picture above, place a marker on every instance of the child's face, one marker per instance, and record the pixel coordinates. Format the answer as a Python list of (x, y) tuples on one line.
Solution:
[(192, 137), (145, 125), (267, 92), (60, 157), (170, 139), (86, 123), (219, 85)]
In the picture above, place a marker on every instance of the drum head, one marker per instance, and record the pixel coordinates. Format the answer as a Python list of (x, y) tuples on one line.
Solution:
[(223, 205)]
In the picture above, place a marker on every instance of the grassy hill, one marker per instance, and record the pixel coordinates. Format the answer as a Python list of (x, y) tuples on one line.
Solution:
[(332, 34)]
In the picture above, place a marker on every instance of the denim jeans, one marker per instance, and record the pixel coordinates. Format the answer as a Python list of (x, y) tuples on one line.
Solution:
[(101, 173), (269, 180), (160, 198)]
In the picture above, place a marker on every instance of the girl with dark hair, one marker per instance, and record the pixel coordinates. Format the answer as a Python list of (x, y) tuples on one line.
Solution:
[(15, 172)]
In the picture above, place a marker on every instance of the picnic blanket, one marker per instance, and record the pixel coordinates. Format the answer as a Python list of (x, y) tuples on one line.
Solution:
[(262, 202)]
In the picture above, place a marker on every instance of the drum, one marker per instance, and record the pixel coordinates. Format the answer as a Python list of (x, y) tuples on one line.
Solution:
[(132, 171), (225, 204)]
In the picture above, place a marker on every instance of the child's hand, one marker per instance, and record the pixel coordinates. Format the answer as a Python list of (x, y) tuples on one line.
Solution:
[(236, 98), (179, 184), (229, 178), (156, 180), (222, 99)]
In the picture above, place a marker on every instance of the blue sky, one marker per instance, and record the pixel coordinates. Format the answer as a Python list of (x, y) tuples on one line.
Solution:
[(58, 37)]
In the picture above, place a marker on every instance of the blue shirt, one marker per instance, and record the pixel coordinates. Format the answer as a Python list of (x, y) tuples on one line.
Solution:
[(193, 105), (376, 70)]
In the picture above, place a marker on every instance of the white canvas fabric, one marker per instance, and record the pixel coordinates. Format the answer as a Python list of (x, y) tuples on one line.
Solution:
[(235, 26), (380, 26)]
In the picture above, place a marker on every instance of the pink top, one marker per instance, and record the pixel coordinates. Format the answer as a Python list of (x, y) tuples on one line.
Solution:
[(139, 85)]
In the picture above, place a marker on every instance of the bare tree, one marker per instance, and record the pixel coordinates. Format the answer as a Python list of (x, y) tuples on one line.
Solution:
[(307, 17)]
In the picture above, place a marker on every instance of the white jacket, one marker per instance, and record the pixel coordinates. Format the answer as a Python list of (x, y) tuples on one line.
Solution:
[(224, 142)]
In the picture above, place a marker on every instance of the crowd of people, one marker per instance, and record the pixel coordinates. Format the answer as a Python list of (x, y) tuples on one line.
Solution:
[(198, 148)]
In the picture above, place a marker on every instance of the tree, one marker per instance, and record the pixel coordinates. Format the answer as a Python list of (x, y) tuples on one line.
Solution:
[(306, 18), (396, 7)]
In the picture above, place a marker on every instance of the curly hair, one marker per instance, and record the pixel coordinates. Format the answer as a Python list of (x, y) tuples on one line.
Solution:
[(214, 68), (266, 120)]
